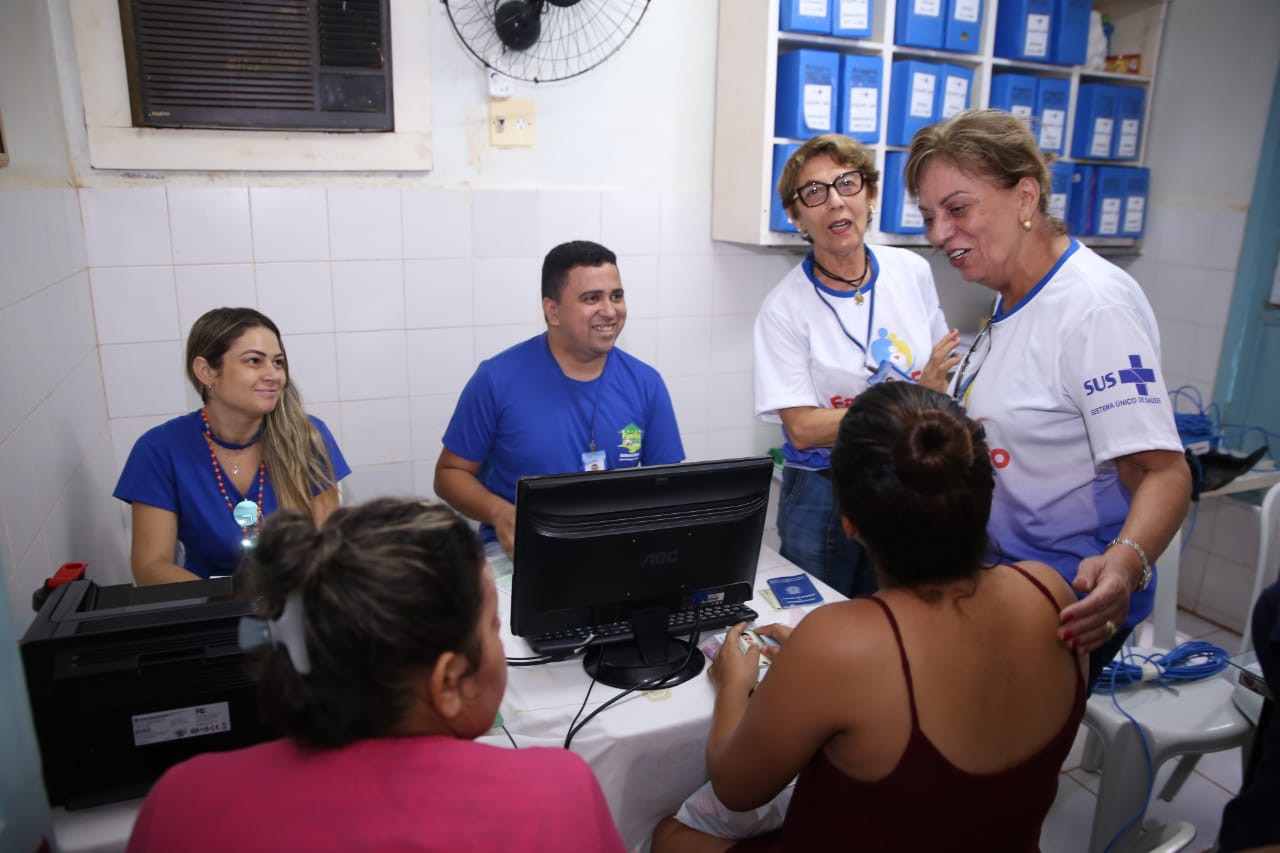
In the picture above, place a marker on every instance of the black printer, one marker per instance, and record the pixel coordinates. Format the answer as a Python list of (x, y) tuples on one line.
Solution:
[(127, 681)]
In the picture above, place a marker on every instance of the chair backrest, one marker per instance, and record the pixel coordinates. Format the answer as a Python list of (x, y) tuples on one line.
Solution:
[(1268, 557), (1164, 611)]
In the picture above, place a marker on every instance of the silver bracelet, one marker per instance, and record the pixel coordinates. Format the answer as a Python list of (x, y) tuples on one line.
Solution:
[(1145, 580)]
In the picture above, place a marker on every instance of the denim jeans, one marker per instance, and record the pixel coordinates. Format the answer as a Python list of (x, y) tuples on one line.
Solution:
[(812, 537)]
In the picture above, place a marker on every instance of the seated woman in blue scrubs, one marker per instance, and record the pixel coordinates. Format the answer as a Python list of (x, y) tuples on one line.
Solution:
[(208, 478)]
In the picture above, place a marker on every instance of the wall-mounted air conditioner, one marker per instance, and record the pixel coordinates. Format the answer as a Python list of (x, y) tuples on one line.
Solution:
[(259, 64)]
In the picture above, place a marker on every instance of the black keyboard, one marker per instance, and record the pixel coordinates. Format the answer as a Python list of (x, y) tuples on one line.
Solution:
[(707, 618)]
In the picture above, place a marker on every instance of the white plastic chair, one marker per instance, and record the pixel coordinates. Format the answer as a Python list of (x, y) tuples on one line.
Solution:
[(1194, 718)]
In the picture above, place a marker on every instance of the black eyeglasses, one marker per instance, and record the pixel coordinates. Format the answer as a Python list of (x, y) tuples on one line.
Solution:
[(814, 193)]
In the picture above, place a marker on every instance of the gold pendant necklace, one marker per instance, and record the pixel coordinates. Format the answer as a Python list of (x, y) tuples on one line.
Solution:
[(855, 283)]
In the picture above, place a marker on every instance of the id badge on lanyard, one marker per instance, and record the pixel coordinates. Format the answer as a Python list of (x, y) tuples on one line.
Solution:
[(886, 372), (594, 460)]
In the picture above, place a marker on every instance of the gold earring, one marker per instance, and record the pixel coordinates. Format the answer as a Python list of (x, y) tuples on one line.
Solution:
[(1026, 225)]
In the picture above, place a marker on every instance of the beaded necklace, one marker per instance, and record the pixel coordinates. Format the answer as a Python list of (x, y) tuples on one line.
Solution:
[(247, 513)]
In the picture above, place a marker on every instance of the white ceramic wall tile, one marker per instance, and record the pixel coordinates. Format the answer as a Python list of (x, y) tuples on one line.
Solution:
[(313, 366), (290, 223), (731, 402), (640, 338), (1226, 596), (731, 343), (565, 215), (690, 399), (125, 432), (491, 340), (507, 290), (77, 258), (17, 481), (629, 221), (21, 277), (684, 346), (696, 446), (372, 365), (504, 224), (440, 360), (57, 242), (210, 225), (1235, 533), (741, 282), (685, 223), (1177, 346), (735, 443), (126, 227), (430, 417), (368, 295), (55, 355), (31, 573), (203, 288), (424, 478), (1216, 288), (639, 274), (80, 404), (134, 304), (684, 285), (1226, 239), (437, 222), (298, 297), (392, 480), (439, 293), (1191, 577), (143, 379), (376, 432), (365, 223), (1178, 292), (331, 413), (1206, 353)]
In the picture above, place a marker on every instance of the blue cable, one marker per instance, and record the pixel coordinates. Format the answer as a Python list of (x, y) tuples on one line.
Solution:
[(1185, 662)]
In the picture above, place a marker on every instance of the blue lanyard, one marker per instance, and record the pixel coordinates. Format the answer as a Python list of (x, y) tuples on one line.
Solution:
[(871, 314)]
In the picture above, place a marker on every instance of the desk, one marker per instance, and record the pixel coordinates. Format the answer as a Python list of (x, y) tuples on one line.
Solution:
[(647, 751)]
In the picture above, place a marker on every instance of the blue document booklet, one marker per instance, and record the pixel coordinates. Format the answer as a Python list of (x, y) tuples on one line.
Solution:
[(794, 590)]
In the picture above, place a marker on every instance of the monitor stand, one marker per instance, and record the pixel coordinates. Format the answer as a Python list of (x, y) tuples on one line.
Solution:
[(652, 655)]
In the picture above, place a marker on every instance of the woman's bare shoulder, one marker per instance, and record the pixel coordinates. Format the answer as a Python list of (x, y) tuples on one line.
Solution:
[(1052, 581)]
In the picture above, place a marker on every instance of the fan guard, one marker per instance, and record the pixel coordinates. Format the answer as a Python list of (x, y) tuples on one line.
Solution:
[(544, 40)]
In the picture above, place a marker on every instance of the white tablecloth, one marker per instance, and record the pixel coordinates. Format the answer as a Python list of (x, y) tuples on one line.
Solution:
[(648, 750)]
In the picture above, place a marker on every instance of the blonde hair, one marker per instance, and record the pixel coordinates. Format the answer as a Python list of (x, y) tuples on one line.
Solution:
[(292, 447), (989, 144)]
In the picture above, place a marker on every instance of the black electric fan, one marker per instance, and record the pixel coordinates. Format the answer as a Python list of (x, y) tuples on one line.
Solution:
[(544, 40)]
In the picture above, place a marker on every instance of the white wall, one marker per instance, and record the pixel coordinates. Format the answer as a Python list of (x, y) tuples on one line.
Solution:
[(1217, 70)]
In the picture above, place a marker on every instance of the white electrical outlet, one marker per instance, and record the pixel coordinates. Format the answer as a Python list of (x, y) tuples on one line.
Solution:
[(511, 123)]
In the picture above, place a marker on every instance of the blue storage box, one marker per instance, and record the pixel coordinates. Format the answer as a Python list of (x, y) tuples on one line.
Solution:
[(963, 31), (1060, 175), (920, 23), (1052, 95), (899, 213), (1094, 131), (1108, 200), (955, 82), (806, 104), (912, 99), (778, 220), (851, 19), (1024, 29), (804, 16), (1133, 219), (1131, 103), (1080, 200), (861, 82), (1069, 44), (1014, 93)]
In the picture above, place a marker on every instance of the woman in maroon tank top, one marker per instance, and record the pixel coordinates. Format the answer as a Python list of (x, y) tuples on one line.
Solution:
[(933, 715)]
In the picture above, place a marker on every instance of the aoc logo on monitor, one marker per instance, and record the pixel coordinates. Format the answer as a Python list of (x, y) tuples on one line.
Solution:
[(660, 558)]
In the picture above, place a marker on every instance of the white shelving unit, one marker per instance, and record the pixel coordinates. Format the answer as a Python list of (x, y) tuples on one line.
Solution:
[(746, 83)]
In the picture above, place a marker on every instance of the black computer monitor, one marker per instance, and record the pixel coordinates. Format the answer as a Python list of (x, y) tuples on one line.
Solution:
[(636, 544)]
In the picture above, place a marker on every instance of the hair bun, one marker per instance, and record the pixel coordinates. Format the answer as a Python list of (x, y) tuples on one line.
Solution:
[(935, 453)]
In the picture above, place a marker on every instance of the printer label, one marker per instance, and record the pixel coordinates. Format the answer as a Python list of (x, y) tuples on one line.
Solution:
[(181, 723)]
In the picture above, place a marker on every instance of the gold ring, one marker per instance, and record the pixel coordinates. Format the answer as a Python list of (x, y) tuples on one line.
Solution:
[(1111, 626)]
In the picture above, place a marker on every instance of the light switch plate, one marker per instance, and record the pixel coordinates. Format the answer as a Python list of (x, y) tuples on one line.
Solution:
[(511, 123)]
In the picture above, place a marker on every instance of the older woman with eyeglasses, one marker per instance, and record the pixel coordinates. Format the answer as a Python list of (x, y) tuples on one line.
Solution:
[(1090, 476), (846, 317)]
